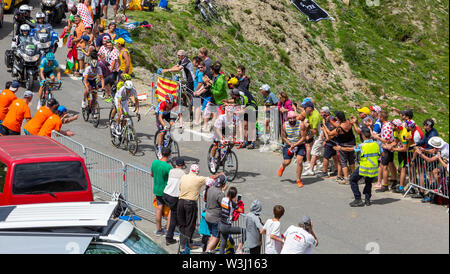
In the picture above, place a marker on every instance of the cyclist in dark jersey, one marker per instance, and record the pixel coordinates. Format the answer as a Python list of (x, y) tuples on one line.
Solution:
[(163, 113)]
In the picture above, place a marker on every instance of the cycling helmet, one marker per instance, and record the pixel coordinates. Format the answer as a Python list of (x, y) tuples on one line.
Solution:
[(170, 99), (24, 8), (93, 63), (50, 56), (126, 77), (128, 84), (40, 15), (51, 102), (25, 27)]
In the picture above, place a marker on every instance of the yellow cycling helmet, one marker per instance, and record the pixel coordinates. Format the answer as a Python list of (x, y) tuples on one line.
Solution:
[(233, 81)]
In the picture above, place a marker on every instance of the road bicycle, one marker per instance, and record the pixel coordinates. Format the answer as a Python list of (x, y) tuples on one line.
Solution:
[(127, 134), (92, 108), (47, 91), (225, 159), (168, 142)]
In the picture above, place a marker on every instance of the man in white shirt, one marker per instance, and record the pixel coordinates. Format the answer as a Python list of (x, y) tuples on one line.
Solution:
[(300, 239)]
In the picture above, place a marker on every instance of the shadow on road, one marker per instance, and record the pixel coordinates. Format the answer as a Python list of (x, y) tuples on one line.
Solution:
[(242, 175), (384, 201)]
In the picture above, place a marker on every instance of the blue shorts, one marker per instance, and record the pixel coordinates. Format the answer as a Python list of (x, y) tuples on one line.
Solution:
[(213, 229), (301, 151)]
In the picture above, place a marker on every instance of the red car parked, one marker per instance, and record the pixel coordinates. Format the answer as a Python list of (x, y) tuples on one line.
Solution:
[(36, 169)]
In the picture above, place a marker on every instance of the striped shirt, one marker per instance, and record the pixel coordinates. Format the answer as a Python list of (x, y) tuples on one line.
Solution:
[(293, 133)]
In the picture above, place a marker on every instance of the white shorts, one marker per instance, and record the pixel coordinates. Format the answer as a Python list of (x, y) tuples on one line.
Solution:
[(209, 109), (317, 148)]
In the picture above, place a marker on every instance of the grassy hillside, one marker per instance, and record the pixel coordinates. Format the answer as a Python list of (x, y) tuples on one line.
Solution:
[(397, 54)]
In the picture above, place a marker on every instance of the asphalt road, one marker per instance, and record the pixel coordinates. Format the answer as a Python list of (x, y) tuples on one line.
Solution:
[(391, 225)]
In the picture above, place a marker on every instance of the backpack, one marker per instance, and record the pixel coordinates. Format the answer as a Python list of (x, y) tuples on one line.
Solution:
[(148, 5)]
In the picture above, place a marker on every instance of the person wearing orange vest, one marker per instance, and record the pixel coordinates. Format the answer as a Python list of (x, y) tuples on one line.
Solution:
[(54, 122), (7, 96), (33, 126), (18, 111)]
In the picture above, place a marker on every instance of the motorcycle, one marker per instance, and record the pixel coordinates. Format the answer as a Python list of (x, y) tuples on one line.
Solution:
[(45, 39), (26, 63), (54, 10)]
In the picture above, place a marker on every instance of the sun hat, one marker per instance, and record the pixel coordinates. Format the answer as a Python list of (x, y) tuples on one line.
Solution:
[(364, 110), (436, 142)]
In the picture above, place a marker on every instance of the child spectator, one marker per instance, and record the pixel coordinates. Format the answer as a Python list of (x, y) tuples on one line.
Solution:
[(253, 226), (272, 230)]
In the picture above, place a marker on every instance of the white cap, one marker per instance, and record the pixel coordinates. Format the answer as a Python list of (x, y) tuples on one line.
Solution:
[(265, 87), (325, 109)]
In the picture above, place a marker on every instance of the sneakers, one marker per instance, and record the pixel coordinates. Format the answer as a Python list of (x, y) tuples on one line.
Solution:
[(299, 184), (399, 190), (357, 203), (418, 195), (322, 174), (367, 202), (383, 189), (251, 145), (308, 172), (159, 232), (426, 200), (280, 171), (344, 181), (339, 180), (170, 241)]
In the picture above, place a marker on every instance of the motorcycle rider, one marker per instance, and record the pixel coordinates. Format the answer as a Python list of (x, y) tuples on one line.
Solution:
[(24, 35), (46, 70), (22, 15), (42, 24)]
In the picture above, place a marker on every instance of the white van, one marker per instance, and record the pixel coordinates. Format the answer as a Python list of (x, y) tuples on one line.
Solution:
[(70, 228)]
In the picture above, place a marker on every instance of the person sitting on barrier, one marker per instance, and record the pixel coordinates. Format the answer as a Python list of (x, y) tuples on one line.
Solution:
[(121, 104), (163, 112)]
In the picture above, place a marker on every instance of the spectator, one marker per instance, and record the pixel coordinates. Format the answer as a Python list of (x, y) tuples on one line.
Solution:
[(7, 96), (185, 65), (214, 196), (364, 114), (116, 7), (105, 7), (253, 226), (111, 56), (228, 206), (171, 194), (269, 100), (218, 86), (125, 66), (54, 123), (430, 132), (100, 39), (272, 232), (375, 113), (284, 105), (386, 137), (293, 135), (401, 145), (160, 172), (300, 239), (33, 126), (368, 167), (78, 42), (198, 89), (416, 132), (187, 209), (344, 138), (112, 30), (203, 53), (314, 121), (244, 80), (17, 112), (83, 12), (329, 152)]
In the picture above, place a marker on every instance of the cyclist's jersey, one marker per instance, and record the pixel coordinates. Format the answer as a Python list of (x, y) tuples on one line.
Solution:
[(122, 96), (222, 121), (91, 73), (162, 108), (48, 68)]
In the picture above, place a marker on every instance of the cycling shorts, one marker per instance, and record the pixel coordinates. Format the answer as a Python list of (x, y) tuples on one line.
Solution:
[(123, 103), (166, 116)]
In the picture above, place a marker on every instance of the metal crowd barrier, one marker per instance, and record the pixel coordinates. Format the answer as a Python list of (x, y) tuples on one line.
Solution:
[(139, 183), (428, 176)]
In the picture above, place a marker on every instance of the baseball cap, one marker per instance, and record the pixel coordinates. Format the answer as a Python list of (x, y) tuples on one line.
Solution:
[(377, 109), (306, 100), (180, 162), (265, 87), (397, 122), (306, 220), (364, 110), (221, 180), (106, 38), (195, 169), (85, 37), (61, 109), (233, 81), (120, 41), (28, 94), (307, 104), (88, 26), (325, 109), (14, 86)]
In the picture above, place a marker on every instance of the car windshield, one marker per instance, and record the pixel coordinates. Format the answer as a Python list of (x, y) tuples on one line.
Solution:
[(49, 177), (141, 244)]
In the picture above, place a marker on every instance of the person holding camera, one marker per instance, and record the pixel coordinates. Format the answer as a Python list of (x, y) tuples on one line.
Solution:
[(300, 239)]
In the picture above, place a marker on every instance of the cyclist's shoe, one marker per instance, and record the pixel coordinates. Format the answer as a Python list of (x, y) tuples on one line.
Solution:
[(213, 165), (159, 154), (251, 145), (241, 145), (280, 171), (299, 183), (83, 104), (118, 130)]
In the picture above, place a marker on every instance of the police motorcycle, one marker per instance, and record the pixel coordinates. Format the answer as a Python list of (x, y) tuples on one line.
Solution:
[(24, 58), (54, 10), (44, 36)]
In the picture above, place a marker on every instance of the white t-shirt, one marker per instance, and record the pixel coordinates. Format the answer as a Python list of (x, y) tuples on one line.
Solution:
[(298, 241), (272, 228), (173, 182), (445, 151)]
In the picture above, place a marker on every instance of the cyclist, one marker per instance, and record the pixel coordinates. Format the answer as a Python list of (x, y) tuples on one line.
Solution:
[(122, 78), (46, 70), (90, 76), (223, 127), (121, 103), (163, 113)]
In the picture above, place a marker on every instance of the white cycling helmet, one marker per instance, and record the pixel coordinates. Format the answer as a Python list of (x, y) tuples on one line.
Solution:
[(25, 27), (24, 8), (40, 15), (128, 84)]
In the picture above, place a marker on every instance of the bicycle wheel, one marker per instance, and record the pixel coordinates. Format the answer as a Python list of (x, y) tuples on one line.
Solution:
[(111, 117), (155, 142), (96, 113), (209, 157), (85, 112), (115, 140), (175, 149), (230, 166), (131, 141)]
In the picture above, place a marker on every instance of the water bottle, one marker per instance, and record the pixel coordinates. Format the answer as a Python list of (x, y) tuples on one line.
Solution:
[(222, 153)]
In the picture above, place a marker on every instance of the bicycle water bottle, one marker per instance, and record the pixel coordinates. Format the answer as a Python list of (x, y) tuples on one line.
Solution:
[(223, 152)]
